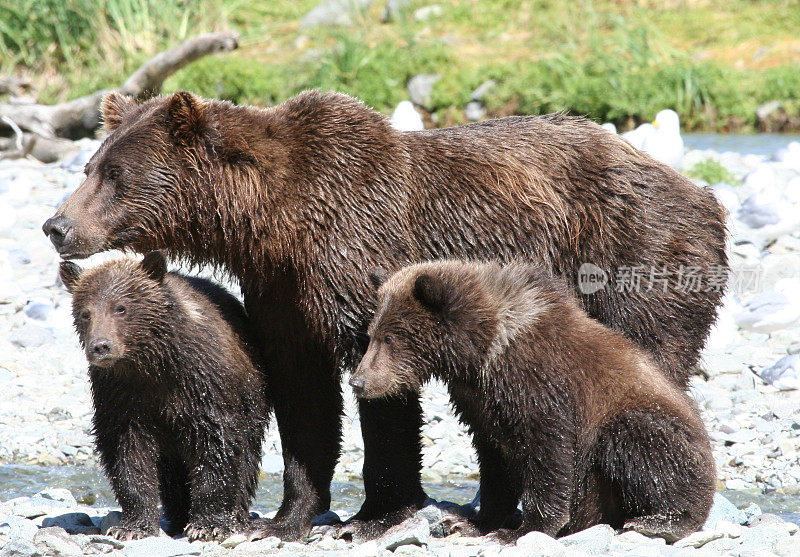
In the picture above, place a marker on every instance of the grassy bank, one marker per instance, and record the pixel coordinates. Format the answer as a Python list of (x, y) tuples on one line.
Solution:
[(714, 61)]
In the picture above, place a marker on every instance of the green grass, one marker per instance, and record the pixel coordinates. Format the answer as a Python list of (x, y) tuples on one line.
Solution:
[(712, 172), (710, 60)]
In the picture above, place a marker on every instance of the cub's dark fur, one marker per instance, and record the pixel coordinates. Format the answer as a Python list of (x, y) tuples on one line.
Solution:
[(566, 414), (179, 395)]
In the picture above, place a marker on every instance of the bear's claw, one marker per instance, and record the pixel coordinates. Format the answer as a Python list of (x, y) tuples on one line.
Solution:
[(126, 534)]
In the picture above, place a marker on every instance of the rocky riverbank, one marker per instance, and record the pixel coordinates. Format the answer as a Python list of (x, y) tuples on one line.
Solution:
[(751, 405)]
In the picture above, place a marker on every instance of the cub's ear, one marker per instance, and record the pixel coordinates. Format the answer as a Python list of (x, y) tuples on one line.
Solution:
[(113, 109), (432, 293), (154, 265), (187, 117), (377, 277), (70, 274)]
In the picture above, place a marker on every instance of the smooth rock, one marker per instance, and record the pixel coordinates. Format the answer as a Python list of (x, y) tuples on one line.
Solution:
[(474, 111), (414, 531), (594, 541), (39, 311), (699, 539), (259, 546), (787, 547), (333, 12), (73, 523), (393, 9), (722, 509), (56, 542), (420, 89), (272, 464), (31, 336), (427, 12), (109, 521), (482, 90), (538, 543), (161, 546), (20, 548), (20, 528)]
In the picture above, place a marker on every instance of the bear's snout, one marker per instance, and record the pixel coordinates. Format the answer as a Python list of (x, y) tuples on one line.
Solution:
[(58, 228), (358, 383), (100, 351)]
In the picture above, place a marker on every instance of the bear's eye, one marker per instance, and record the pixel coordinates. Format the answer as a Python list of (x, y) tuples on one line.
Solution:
[(113, 173), (120, 310), (388, 340), (84, 315)]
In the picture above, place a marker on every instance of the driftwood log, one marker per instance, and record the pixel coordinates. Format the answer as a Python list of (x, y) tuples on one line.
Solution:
[(81, 117)]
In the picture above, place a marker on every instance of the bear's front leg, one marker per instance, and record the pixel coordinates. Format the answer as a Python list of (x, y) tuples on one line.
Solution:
[(130, 461), (546, 472), (218, 489), (392, 456)]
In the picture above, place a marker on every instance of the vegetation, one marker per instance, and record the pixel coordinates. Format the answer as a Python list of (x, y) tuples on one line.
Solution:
[(714, 61), (712, 172)]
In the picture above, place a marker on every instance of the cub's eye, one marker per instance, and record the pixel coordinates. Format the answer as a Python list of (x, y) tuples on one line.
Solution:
[(388, 340), (84, 315), (113, 173), (120, 310)]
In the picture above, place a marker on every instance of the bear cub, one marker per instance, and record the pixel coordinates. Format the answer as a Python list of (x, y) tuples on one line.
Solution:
[(179, 395), (567, 416)]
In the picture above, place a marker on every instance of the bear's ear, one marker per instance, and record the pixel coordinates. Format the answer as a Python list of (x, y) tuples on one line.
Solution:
[(154, 265), (187, 117), (377, 277), (70, 274), (113, 109), (432, 293)]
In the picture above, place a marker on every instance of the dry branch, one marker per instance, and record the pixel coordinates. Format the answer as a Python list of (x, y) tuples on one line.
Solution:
[(81, 117)]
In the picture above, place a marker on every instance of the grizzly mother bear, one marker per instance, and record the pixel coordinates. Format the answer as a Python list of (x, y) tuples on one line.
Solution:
[(297, 201)]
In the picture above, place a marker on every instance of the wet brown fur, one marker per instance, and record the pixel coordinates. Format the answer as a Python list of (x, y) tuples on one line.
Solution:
[(566, 414), (298, 200), (179, 395)]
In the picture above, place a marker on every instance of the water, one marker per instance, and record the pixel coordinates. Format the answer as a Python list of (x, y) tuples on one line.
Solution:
[(757, 144), (89, 484)]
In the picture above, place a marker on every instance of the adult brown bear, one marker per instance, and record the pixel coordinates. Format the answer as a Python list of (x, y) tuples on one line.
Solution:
[(297, 201)]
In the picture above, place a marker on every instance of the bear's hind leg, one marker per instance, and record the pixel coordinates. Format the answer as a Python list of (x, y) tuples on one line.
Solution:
[(661, 470)]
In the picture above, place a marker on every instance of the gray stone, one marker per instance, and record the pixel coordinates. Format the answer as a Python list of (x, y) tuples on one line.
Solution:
[(474, 111), (414, 531), (162, 546), (272, 464), (537, 543), (698, 539), (109, 521), (368, 549), (105, 540), (31, 336), (56, 542), (19, 256), (326, 519), (722, 509), (20, 528), (393, 10), (594, 541), (482, 90), (333, 12), (787, 547), (420, 89), (258, 547), (20, 548), (74, 523), (751, 512), (38, 310), (427, 12), (32, 507), (58, 494)]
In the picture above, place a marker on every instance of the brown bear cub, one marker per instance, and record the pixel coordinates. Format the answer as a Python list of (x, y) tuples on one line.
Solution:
[(179, 395), (566, 415)]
